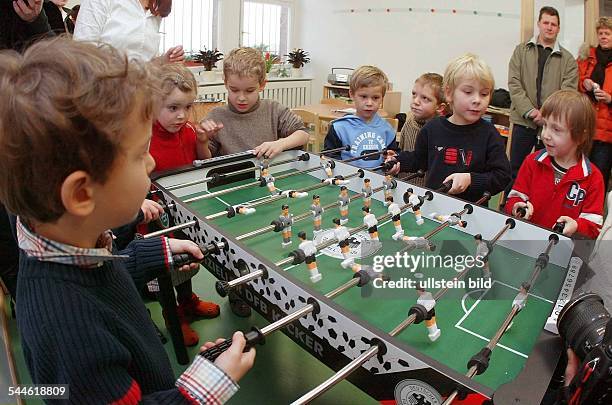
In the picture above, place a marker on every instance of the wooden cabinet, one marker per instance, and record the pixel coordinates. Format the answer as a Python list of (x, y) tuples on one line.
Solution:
[(391, 103)]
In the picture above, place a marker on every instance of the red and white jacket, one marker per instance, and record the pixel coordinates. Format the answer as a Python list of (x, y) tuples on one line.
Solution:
[(579, 194)]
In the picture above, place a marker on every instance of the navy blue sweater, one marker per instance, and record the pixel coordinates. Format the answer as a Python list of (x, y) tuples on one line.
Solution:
[(443, 148), (89, 328)]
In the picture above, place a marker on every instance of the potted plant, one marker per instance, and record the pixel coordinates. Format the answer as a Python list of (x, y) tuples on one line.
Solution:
[(208, 58), (270, 59), (297, 58)]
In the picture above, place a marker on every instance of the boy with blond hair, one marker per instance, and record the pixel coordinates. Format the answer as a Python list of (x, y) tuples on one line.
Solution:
[(364, 131), (247, 122), (76, 167), (427, 103), (463, 148)]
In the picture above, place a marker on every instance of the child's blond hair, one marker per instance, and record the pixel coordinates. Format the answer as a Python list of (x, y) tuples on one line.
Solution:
[(369, 76), (64, 107), (245, 62), (177, 76), (468, 66), (435, 82), (576, 111)]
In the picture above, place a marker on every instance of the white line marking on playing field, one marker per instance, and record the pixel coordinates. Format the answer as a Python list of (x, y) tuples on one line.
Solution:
[(472, 307), (486, 340), (247, 202), (516, 289), (320, 253), (467, 294)]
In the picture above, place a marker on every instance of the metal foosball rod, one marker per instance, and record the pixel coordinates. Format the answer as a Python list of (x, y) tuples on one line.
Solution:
[(259, 182), (414, 315), (479, 363), (356, 363), (297, 256), (304, 157), (168, 230), (257, 336), (455, 218), (231, 211), (308, 214)]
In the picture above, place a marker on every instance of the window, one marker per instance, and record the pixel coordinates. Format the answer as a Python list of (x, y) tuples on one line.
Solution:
[(265, 25), (192, 23)]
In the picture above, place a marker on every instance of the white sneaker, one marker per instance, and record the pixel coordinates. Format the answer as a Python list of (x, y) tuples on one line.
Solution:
[(398, 235), (316, 278), (420, 221), (343, 221), (434, 336)]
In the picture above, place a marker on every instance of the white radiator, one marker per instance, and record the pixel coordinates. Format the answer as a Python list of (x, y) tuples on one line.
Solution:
[(289, 92)]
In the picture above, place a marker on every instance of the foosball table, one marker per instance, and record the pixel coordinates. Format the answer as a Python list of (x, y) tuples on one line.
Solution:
[(343, 288)]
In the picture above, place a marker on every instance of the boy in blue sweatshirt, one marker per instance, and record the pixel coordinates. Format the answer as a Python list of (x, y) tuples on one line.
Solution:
[(365, 131), (75, 130)]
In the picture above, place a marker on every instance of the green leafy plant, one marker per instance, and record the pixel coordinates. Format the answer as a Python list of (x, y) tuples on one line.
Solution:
[(298, 58), (208, 58), (270, 60)]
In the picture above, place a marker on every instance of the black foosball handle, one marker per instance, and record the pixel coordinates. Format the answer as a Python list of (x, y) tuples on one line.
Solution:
[(445, 187), (182, 259), (559, 226), (252, 337), (521, 212)]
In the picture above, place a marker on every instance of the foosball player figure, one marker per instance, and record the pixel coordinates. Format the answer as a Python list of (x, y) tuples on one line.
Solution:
[(416, 207), (395, 212), (286, 220), (242, 210), (452, 219), (427, 301), (342, 235), (371, 222), (336, 181), (327, 165), (521, 299), (343, 204), (482, 252), (367, 193), (388, 185), (268, 180), (264, 164), (310, 250), (294, 194), (317, 212), (417, 243)]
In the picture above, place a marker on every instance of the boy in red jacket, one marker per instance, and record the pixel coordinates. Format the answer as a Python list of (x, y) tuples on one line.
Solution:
[(558, 183)]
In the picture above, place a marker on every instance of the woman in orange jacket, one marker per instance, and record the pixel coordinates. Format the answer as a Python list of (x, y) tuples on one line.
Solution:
[(595, 69)]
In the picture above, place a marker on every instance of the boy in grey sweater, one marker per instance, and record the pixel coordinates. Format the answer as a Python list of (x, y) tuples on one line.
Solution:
[(247, 122)]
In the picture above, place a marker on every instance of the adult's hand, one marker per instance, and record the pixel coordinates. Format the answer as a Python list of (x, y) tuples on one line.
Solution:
[(59, 3), (174, 54), (601, 95), (28, 11), (161, 8), (587, 84), (536, 116)]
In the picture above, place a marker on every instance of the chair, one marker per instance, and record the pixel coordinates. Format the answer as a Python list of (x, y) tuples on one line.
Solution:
[(394, 122), (313, 124), (335, 101)]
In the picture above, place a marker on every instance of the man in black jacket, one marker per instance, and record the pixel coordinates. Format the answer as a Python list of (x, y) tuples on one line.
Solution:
[(21, 22)]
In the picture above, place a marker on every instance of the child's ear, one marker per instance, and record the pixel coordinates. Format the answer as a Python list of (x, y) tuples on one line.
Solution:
[(263, 85), (77, 194), (442, 109)]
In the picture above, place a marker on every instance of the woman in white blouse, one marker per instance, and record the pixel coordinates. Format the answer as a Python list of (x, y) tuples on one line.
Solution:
[(129, 25)]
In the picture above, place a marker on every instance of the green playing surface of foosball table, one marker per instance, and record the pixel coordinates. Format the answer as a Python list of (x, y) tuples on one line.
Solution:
[(467, 317)]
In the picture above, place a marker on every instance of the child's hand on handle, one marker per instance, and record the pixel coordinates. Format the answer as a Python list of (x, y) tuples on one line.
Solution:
[(207, 130), (461, 182), (601, 95), (570, 225), (269, 149), (522, 207), (186, 246), (233, 361), (151, 211), (390, 156)]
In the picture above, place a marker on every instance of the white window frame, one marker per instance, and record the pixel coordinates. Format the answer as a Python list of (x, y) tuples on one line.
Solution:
[(187, 29), (285, 31)]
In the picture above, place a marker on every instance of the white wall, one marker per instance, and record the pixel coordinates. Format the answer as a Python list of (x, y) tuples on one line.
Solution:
[(406, 44)]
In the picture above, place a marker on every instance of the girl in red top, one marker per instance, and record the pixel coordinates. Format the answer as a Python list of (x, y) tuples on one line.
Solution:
[(558, 183), (175, 141), (174, 144)]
